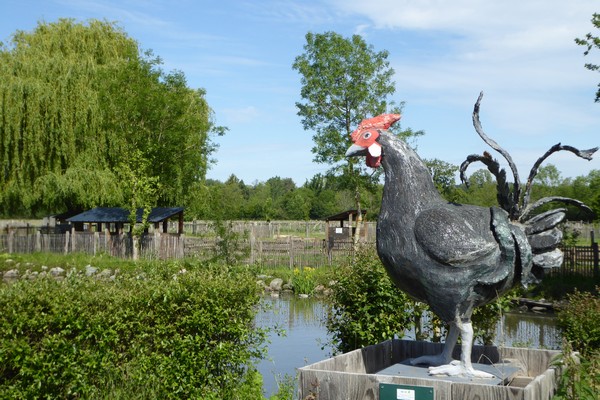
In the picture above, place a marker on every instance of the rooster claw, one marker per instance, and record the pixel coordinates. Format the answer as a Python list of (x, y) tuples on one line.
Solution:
[(456, 368), (434, 360)]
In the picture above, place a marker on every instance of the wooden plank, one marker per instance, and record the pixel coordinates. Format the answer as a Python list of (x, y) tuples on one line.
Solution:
[(487, 392)]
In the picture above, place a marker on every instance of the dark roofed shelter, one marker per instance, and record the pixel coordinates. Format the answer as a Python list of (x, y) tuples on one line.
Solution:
[(340, 226), (120, 216)]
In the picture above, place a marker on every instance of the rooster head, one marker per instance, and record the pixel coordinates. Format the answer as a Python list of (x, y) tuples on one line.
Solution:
[(364, 138)]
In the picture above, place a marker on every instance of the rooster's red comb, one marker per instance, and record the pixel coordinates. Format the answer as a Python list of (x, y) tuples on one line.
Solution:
[(383, 121)]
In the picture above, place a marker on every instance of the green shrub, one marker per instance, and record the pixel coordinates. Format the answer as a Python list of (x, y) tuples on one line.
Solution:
[(166, 335), (579, 321), (304, 280), (580, 378), (366, 308)]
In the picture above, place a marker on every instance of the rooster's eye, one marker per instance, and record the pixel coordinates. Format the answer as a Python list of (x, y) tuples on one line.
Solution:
[(367, 135)]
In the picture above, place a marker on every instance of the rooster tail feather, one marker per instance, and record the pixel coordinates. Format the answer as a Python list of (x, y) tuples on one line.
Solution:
[(544, 237)]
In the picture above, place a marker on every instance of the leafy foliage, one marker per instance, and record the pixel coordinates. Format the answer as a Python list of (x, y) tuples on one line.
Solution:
[(231, 246), (75, 101), (304, 280), (157, 334), (590, 42), (367, 308), (344, 80), (579, 321)]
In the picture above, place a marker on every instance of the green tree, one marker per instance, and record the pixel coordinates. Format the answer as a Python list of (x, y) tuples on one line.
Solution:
[(482, 190), (324, 196), (590, 41), (141, 191), (443, 174), (260, 203), (344, 80), (75, 101)]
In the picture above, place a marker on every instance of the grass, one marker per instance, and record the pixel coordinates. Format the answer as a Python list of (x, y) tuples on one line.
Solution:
[(35, 261)]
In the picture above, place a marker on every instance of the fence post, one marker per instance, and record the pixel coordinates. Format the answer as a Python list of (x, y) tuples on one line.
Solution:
[(596, 262), (67, 234), (11, 239), (38, 241), (252, 243), (291, 251)]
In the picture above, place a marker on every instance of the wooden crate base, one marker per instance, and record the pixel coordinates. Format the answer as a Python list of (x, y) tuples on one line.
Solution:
[(359, 374)]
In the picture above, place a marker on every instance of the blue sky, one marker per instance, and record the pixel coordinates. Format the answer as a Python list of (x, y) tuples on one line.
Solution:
[(520, 53)]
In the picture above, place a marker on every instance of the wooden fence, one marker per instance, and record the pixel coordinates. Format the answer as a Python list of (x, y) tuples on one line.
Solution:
[(579, 260), (268, 229), (293, 252), (288, 251)]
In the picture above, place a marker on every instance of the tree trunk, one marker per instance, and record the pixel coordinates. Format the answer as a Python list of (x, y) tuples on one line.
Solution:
[(359, 221)]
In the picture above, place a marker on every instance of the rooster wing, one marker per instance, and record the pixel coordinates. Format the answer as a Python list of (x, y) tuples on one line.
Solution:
[(454, 235)]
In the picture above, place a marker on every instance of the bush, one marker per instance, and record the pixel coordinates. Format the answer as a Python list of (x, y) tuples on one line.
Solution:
[(304, 280), (367, 308), (578, 321), (167, 335)]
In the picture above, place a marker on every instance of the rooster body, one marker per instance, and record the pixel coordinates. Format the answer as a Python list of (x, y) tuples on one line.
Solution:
[(433, 249), (453, 257)]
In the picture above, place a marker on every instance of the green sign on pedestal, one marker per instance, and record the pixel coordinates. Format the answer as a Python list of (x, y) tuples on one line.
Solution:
[(389, 391)]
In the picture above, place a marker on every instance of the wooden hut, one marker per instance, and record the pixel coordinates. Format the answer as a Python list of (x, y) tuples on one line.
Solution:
[(342, 227), (115, 218)]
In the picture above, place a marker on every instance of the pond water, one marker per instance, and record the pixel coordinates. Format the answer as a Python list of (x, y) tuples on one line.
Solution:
[(304, 339)]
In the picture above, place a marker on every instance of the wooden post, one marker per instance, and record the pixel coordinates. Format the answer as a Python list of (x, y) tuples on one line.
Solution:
[(349, 226), (73, 246), (596, 257), (11, 238), (96, 239), (252, 243), (291, 251), (38, 241), (67, 242)]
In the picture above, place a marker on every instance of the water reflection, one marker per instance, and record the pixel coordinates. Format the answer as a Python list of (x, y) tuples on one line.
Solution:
[(538, 331), (306, 341)]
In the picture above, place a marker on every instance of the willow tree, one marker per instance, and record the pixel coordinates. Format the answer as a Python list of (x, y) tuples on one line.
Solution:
[(76, 101)]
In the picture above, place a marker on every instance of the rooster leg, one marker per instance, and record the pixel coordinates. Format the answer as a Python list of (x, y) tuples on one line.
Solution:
[(446, 356), (464, 366)]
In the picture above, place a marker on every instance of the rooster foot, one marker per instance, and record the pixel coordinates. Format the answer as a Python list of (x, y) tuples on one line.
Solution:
[(435, 360), (456, 368)]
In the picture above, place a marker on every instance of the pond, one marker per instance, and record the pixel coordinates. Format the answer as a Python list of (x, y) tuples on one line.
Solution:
[(305, 340)]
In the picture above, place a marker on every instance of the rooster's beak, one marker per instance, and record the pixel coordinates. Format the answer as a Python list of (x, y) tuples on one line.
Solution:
[(356, 150)]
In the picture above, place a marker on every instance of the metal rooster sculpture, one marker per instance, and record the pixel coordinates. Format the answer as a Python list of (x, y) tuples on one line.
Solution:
[(457, 257)]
